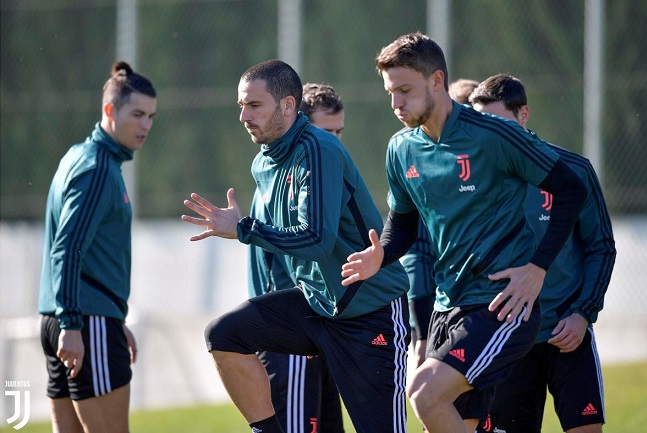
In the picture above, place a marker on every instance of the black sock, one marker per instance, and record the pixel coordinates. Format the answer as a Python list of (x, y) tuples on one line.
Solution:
[(269, 425)]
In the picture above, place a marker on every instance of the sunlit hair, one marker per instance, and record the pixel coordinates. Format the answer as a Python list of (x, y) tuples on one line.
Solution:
[(415, 51), (501, 87), (461, 89), (320, 97), (123, 83), (280, 79)]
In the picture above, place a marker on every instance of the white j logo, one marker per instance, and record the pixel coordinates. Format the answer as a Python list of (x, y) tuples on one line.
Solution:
[(17, 406)]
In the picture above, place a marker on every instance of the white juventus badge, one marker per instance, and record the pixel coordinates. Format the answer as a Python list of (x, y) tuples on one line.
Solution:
[(20, 396)]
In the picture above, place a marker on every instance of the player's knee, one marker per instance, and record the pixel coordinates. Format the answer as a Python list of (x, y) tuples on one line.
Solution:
[(220, 333), (422, 397)]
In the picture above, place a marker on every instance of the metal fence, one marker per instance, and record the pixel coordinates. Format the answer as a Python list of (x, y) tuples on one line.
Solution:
[(55, 56)]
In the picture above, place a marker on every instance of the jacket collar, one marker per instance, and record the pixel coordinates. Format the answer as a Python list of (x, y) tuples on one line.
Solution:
[(280, 147), (101, 137)]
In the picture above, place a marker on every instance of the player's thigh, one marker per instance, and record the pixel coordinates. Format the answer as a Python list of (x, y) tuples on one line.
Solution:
[(107, 413), (367, 356), (57, 386), (576, 385), (106, 361), (473, 341), (519, 401), (436, 381), (274, 322), (64, 418)]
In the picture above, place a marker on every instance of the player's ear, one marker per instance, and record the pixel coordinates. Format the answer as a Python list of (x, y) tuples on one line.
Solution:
[(438, 78), (288, 104), (524, 114), (109, 110)]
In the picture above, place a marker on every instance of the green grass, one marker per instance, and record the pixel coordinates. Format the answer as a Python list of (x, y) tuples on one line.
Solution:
[(625, 398)]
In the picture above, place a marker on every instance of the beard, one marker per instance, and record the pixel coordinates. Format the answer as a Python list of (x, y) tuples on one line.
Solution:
[(273, 130), (430, 106)]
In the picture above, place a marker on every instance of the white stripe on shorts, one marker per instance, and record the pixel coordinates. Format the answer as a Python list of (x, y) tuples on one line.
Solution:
[(296, 391), (99, 356), (598, 368), (494, 346), (400, 371)]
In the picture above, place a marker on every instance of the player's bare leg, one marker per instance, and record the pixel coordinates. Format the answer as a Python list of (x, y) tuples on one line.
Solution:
[(591, 428), (247, 384), (433, 389), (64, 418), (471, 424), (107, 413)]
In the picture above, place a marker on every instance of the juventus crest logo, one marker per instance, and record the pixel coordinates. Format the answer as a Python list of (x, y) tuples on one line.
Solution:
[(20, 410), (464, 162), (548, 200)]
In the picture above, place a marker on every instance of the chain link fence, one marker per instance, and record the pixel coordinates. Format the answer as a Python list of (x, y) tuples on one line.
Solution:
[(56, 55)]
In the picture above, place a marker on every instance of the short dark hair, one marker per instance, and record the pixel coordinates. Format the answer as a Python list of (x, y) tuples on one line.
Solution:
[(415, 51), (123, 83), (461, 89), (320, 97), (501, 87), (280, 79)]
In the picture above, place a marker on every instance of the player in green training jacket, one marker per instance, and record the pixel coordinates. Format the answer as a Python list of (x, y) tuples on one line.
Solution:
[(564, 358), (419, 260), (304, 395), (85, 282), (465, 174), (320, 212)]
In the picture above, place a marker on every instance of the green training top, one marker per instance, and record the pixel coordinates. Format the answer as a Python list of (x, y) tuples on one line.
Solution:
[(577, 280), (266, 272), (86, 254), (321, 212), (469, 188)]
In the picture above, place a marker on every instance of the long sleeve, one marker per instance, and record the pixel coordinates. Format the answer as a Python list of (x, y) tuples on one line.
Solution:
[(593, 232), (83, 206)]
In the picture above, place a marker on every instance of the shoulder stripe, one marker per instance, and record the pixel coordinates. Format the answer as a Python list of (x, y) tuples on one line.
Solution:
[(517, 138)]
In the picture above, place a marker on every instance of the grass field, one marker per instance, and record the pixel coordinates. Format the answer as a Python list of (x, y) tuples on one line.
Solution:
[(625, 397)]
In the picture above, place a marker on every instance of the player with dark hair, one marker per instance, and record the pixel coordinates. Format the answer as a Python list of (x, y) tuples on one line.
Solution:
[(304, 394), (320, 212), (324, 107), (564, 358), (461, 89), (465, 175), (85, 282)]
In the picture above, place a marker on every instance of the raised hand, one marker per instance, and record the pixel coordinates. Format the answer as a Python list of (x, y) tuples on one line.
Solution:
[(221, 222), (363, 265)]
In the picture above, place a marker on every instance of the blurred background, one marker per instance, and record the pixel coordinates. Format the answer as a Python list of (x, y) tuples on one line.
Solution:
[(582, 61)]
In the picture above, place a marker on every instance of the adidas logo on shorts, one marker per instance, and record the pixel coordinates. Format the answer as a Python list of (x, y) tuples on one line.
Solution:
[(379, 341), (589, 410)]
